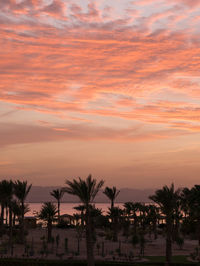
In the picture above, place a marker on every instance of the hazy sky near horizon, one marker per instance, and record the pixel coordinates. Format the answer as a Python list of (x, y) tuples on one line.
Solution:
[(110, 88)]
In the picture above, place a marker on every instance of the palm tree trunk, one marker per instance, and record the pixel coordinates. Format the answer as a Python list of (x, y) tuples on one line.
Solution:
[(198, 230), (111, 207), (82, 218), (14, 219), (112, 204), (135, 223), (176, 228), (49, 230), (89, 239), (22, 222), (115, 229), (58, 211), (2, 213), (155, 229), (168, 240), (10, 229), (78, 245), (6, 214), (143, 221)]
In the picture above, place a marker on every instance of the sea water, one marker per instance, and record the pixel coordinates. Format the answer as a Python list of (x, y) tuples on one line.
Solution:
[(68, 208)]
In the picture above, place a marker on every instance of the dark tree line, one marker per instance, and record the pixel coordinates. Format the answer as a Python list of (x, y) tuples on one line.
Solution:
[(176, 212), (12, 200)]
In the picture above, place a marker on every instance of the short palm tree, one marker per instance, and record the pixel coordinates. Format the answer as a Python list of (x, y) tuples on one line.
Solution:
[(153, 218), (21, 190), (81, 208), (86, 191), (167, 199), (112, 194), (57, 194), (131, 210), (48, 213), (16, 211), (186, 201), (116, 215)]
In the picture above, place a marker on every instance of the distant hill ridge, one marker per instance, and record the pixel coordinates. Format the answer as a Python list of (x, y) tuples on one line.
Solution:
[(42, 194)]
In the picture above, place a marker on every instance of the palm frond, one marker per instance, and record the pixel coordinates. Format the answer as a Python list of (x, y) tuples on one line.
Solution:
[(86, 190)]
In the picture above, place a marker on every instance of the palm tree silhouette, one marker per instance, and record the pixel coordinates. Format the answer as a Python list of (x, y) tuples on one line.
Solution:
[(191, 201), (47, 213), (81, 208), (115, 214), (167, 199), (57, 194), (86, 191), (131, 210), (153, 218), (3, 198), (112, 194), (16, 210), (8, 193), (21, 190)]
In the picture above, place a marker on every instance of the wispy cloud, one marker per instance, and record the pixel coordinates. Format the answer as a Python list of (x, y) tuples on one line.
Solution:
[(44, 132), (120, 63)]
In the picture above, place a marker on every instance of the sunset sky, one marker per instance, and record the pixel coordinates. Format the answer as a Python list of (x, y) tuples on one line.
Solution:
[(107, 87)]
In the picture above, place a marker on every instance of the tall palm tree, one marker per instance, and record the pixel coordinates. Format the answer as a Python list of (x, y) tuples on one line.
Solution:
[(86, 190), (47, 213), (57, 194), (21, 190), (112, 194), (191, 201), (8, 196), (167, 199), (3, 197)]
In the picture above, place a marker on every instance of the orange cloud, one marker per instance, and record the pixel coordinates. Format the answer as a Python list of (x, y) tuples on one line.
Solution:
[(121, 65)]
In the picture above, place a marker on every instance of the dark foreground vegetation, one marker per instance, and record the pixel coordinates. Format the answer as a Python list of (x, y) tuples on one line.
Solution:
[(34, 262), (174, 214)]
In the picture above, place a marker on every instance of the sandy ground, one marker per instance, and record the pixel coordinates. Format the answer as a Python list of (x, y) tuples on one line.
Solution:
[(152, 247)]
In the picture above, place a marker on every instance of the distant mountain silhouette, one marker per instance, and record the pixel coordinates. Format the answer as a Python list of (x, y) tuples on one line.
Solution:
[(42, 194)]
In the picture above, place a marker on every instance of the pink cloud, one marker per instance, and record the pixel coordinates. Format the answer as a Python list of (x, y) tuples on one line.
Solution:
[(40, 61), (56, 8), (92, 14), (189, 3)]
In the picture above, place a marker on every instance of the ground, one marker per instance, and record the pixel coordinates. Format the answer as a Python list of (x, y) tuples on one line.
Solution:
[(104, 249)]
